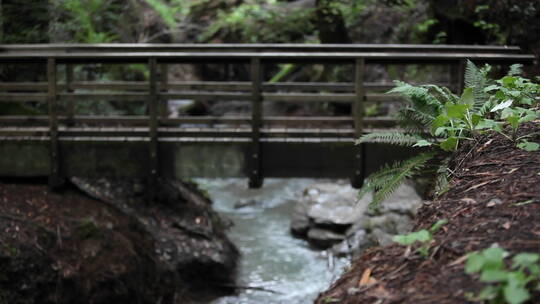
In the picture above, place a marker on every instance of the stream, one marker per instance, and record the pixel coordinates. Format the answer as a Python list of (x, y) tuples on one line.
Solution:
[(285, 267)]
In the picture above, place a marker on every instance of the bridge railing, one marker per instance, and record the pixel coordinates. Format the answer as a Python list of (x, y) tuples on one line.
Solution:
[(157, 90)]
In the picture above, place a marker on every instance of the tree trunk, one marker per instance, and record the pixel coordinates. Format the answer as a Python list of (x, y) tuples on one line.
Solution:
[(330, 23)]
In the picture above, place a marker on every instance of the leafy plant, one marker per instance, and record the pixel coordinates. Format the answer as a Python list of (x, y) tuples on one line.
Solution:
[(424, 237), (87, 19), (437, 118), (260, 21), (505, 284)]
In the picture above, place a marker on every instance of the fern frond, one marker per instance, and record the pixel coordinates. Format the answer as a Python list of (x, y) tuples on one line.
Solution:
[(477, 79), (388, 179), (394, 138), (423, 105), (444, 93), (442, 180), (411, 119), (515, 70)]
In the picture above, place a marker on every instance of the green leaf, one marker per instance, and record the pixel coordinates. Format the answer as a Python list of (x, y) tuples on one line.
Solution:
[(525, 259), (421, 236), (438, 225), (495, 253), (502, 105), (456, 110), (475, 262), (528, 117), (450, 144), (507, 112), (475, 118), (491, 88), (493, 275), (422, 143), (528, 146), (513, 121), (517, 278), (440, 121), (489, 124), (488, 293), (508, 81), (515, 295), (467, 97)]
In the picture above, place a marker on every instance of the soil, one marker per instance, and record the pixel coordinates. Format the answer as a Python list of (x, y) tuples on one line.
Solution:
[(494, 198)]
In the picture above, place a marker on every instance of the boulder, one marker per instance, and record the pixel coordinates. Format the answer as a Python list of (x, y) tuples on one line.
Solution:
[(323, 238), (331, 215), (119, 248)]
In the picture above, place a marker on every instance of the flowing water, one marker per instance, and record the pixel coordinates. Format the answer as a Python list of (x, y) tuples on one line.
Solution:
[(285, 267)]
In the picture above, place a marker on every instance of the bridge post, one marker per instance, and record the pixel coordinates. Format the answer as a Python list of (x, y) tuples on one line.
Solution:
[(153, 124), (357, 178), (54, 176), (255, 174)]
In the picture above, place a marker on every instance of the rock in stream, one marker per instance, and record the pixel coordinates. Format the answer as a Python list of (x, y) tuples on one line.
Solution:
[(330, 216)]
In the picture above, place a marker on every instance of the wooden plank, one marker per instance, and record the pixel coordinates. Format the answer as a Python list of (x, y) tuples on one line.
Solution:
[(226, 86), (23, 97), (255, 174), (210, 120), (357, 178), (311, 121), (105, 96), (54, 176), (176, 132), (23, 86), (309, 97), (225, 96), (153, 125), (70, 100), (163, 101)]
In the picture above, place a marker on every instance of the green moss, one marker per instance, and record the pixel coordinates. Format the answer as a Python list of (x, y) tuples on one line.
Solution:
[(88, 230)]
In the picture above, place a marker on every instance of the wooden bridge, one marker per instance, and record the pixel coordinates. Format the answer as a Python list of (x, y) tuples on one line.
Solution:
[(63, 144)]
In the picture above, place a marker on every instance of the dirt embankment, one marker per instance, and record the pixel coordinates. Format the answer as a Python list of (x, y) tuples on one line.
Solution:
[(494, 198), (66, 247)]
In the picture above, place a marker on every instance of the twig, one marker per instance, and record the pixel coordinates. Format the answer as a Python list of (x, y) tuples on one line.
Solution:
[(250, 288)]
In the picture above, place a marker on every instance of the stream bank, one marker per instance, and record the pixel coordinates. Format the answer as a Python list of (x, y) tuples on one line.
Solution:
[(493, 201), (65, 247)]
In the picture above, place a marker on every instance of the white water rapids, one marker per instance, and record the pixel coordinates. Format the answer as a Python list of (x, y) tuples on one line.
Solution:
[(271, 258)]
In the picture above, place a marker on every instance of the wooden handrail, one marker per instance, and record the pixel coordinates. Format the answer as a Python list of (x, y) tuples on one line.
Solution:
[(233, 47), (299, 57)]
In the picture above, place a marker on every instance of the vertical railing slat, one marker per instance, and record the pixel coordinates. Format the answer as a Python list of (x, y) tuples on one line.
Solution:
[(255, 174), (357, 178), (153, 125), (163, 101), (70, 100), (52, 99)]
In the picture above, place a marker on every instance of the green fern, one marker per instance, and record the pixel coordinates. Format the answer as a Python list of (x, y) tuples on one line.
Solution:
[(424, 104), (478, 80), (394, 138), (442, 180), (388, 179), (515, 70)]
